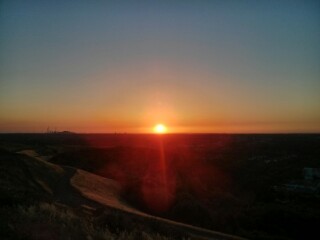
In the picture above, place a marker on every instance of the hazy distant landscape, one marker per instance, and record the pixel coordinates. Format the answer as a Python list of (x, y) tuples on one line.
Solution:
[(234, 184)]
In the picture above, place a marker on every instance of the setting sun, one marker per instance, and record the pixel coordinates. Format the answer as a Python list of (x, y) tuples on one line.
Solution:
[(160, 129)]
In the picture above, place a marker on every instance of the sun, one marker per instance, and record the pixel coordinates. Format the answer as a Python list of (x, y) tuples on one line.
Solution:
[(160, 128)]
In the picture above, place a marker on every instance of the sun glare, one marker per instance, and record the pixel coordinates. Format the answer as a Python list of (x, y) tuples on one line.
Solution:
[(160, 129)]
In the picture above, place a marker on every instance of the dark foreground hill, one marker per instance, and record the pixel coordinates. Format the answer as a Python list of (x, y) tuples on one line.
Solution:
[(243, 185), (41, 200)]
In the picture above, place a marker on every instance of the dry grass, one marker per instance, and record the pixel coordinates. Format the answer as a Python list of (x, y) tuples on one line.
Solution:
[(51, 221)]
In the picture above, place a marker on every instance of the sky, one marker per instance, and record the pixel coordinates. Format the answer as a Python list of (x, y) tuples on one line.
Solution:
[(195, 66)]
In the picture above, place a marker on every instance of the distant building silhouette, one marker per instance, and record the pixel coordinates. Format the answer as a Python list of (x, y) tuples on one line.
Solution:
[(58, 132)]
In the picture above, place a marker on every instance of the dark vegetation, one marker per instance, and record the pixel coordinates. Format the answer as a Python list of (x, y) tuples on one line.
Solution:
[(220, 182)]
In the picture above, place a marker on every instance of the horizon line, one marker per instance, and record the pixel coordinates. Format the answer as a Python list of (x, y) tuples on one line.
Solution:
[(172, 133)]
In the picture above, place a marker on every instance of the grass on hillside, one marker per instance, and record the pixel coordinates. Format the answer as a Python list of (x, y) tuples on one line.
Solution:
[(53, 221)]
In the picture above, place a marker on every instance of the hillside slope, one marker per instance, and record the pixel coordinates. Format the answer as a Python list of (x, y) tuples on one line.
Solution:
[(28, 179)]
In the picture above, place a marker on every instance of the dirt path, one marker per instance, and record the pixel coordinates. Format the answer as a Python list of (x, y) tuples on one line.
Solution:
[(107, 192)]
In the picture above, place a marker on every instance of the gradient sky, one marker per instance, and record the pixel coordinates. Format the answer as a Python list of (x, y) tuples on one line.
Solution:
[(123, 66)]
